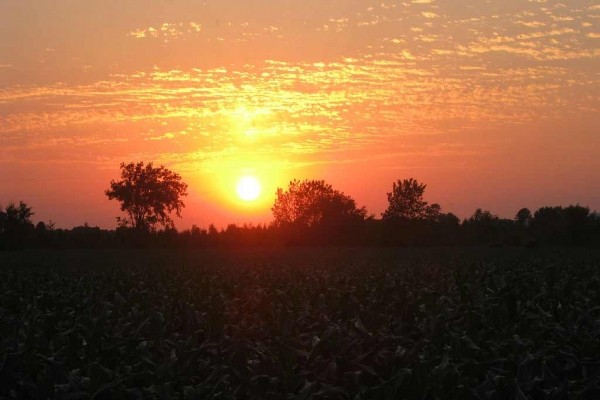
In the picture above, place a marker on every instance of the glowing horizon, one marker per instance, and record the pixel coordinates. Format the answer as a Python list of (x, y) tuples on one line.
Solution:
[(491, 104)]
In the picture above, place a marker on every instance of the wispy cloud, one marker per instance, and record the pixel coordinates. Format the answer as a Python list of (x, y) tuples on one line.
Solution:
[(429, 14), (166, 31), (417, 68)]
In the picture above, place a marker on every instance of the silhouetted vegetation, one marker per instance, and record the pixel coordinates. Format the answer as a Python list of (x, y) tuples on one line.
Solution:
[(312, 212), (148, 195), (405, 202), (549, 226), (325, 323), (16, 228), (307, 213)]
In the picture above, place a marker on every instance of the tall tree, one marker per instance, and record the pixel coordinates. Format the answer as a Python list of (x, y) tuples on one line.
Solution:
[(314, 202), (148, 195), (405, 201)]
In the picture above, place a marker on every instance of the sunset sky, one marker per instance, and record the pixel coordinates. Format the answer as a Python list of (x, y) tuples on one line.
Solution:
[(492, 104)]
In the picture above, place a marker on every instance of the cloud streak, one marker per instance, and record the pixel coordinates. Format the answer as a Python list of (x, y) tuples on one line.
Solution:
[(166, 31)]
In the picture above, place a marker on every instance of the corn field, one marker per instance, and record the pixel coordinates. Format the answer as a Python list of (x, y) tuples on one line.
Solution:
[(301, 324)]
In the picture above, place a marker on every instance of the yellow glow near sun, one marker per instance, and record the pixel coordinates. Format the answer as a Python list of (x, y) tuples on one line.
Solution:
[(248, 188), (250, 121), (245, 182)]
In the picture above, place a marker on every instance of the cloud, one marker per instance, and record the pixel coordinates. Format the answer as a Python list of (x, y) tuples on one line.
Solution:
[(531, 24), (166, 31), (284, 109), (371, 76), (429, 14)]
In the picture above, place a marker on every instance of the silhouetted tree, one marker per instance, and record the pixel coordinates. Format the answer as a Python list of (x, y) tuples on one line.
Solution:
[(449, 219), (41, 234), (558, 225), (520, 231), (548, 224), (148, 195), (310, 203), (405, 201), (579, 224), (482, 227), (483, 217), (576, 215), (16, 225), (523, 217), (433, 212)]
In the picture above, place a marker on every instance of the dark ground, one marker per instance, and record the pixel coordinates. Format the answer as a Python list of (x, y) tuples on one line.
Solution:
[(426, 323)]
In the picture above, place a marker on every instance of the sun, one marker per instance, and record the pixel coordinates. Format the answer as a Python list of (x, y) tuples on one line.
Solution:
[(248, 188)]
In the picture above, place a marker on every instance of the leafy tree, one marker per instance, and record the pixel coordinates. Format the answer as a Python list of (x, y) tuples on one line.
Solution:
[(311, 203), (14, 216), (448, 219), (481, 216), (15, 224), (405, 201), (548, 223), (42, 234), (569, 225), (523, 217), (148, 195), (483, 226), (433, 212), (576, 215)]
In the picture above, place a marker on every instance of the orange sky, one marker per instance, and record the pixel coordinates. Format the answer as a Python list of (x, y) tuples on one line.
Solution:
[(493, 104)]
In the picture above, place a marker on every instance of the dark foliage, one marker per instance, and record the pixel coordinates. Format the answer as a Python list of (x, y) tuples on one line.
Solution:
[(556, 226), (312, 212), (309, 213), (568, 225), (148, 195), (311, 203), (16, 228), (405, 202)]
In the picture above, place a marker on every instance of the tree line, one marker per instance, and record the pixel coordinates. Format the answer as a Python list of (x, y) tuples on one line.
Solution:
[(306, 213)]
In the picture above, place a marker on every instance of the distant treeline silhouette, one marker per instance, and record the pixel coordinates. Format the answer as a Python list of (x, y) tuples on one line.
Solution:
[(312, 213), (307, 213)]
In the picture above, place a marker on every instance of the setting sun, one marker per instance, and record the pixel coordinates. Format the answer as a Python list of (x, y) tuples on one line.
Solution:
[(250, 184), (248, 188), (497, 98)]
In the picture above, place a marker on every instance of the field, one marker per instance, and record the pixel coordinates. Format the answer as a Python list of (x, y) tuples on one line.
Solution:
[(301, 324)]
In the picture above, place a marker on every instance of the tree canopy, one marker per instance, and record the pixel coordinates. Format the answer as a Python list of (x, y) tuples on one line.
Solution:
[(310, 203), (14, 216), (405, 201), (148, 195), (15, 224), (523, 217)]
